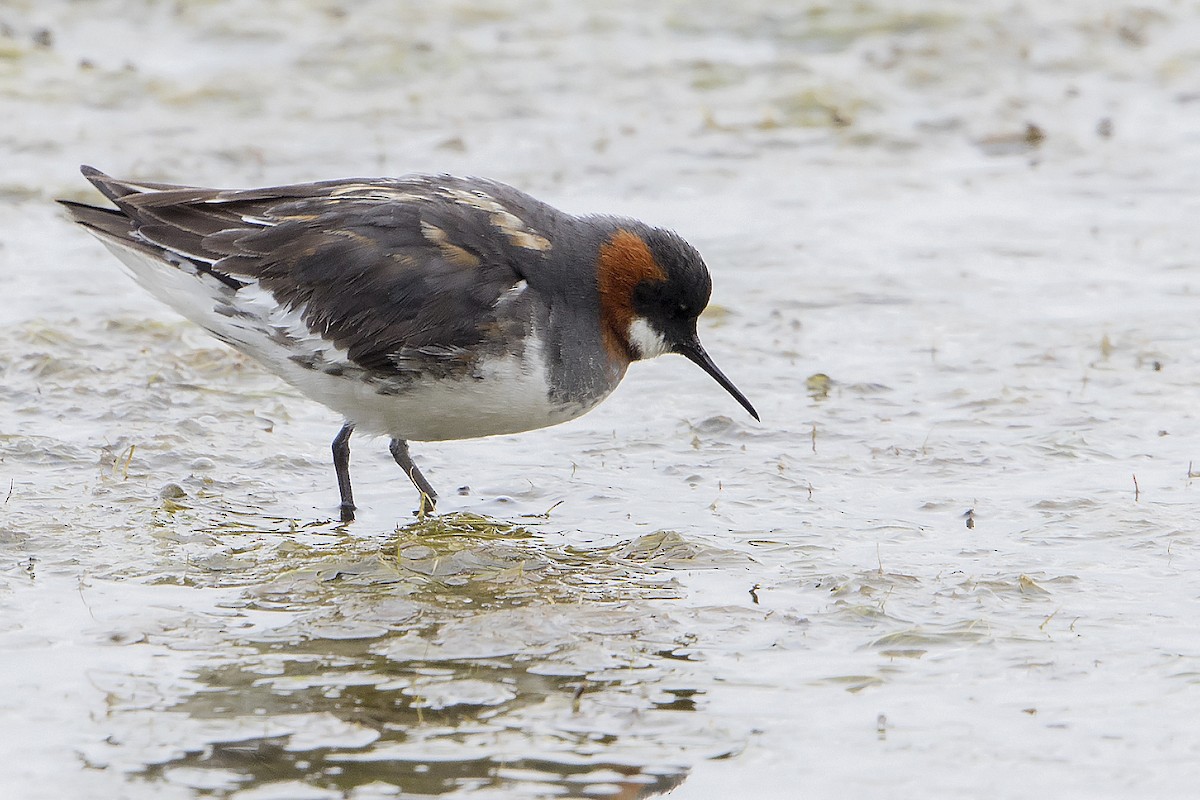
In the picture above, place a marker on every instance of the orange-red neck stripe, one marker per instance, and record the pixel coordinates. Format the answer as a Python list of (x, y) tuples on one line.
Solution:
[(625, 261)]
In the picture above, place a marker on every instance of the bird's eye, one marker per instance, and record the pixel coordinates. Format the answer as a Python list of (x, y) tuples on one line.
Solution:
[(681, 311)]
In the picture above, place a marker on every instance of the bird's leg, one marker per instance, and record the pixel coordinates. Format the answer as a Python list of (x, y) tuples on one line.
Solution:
[(399, 450), (341, 464)]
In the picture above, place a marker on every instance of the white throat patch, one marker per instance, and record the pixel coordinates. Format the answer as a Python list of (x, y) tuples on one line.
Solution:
[(645, 340)]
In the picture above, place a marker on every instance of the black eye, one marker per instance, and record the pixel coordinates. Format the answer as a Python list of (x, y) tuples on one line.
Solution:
[(682, 311)]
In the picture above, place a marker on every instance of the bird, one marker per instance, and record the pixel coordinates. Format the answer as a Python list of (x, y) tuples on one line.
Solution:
[(426, 307)]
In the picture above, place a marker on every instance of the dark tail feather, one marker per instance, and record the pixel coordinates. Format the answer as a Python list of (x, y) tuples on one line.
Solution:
[(112, 224), (115, 188), (109, 187), (103, 220)]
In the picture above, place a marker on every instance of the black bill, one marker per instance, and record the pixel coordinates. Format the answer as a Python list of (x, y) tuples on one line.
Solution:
[(694, 352)]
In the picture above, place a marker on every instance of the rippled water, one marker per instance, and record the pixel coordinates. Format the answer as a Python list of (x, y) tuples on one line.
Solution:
[(954, 251)]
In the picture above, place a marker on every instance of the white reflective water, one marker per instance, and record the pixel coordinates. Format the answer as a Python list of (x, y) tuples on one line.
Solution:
[(955, 256)]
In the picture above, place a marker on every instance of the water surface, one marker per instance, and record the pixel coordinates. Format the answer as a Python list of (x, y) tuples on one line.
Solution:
[(954, 256)]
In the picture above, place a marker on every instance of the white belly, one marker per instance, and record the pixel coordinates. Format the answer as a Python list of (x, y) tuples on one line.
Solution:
[(503, 396)]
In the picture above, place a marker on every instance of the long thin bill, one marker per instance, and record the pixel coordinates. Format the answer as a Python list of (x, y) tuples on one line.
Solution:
[(695, 353)]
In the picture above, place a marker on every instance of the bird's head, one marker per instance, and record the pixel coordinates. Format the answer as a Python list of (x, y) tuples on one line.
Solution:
[(653, 288)]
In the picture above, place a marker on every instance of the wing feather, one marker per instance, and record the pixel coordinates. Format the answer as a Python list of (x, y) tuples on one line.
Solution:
[(402, 274)]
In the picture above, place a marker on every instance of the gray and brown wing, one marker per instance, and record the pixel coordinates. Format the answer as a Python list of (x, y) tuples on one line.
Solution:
[(403, 274)]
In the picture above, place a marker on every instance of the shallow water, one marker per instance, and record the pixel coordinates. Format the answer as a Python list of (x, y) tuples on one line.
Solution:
[(954, 251)]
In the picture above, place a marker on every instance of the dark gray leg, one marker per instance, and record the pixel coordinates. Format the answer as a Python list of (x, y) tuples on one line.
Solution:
[(399, 450), (341, 464)]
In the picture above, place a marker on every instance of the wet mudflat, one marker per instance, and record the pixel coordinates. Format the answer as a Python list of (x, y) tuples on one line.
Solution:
[(954, 255)]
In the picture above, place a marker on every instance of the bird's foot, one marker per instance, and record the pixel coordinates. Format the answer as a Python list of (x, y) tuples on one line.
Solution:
[(427, 507)]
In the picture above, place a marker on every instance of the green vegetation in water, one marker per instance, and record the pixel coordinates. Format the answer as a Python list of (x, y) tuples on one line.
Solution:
[(818, 385), (462, 523), (464, 559)]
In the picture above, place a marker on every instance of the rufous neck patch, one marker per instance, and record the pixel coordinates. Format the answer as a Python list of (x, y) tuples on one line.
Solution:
[(625, 261)]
